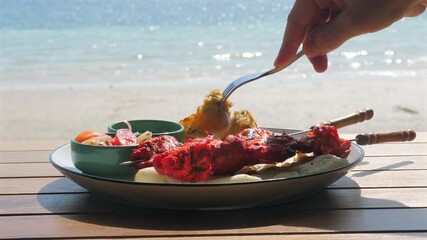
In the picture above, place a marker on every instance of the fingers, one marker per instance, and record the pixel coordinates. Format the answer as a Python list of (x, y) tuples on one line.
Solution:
[(320, 63), (293, 37), (356, 19), (417, 10), (329, 36), (299, 21), (345, 20)]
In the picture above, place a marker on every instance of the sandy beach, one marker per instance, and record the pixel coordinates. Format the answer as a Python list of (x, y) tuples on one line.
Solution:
[(58, 114), (63, 71)]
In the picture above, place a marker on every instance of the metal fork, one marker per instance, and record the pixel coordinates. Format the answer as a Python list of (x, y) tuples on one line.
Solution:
[(254, 76)]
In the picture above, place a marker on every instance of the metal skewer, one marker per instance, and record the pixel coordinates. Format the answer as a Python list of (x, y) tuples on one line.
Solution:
[(132, 162), (361, 139)]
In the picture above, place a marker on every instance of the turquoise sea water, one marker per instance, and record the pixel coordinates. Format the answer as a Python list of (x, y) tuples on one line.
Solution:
[(62, 44)]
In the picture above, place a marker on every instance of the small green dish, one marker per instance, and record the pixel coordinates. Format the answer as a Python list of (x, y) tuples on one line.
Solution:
[(102, 161), (157, 127)]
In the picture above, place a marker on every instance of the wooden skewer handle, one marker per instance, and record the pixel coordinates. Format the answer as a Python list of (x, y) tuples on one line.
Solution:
[(351, 119), (375, 138)]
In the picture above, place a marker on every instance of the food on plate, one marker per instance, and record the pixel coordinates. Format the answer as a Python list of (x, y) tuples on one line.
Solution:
[(318, 164), (220, 147), (122, 137), (85, 135), (150, 175), (213, 117), (144, 154), (201, 159), (264, 171), (297, 165), (240, 121), (100, 139)]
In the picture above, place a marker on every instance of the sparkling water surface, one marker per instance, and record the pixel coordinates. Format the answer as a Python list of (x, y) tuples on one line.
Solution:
[(64, 44)]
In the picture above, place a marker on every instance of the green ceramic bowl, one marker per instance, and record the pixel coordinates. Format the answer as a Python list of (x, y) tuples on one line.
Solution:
[(102, 161), (157, 127)]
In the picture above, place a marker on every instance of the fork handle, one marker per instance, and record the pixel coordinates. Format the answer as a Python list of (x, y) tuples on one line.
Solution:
[(252, 77)]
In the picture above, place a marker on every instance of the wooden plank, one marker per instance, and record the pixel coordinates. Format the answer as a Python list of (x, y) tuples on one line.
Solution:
[(365, 199), (28, 170), (38, 185), (393, 163), (354, 179), (393, 149), (45, 169), (421, 137), (53, 144), (271, 220), (300, 219), (327, 236), (56, 204), (386, 150), (24, 156), (31, 145), (328, 199), (368, 163), (382, 179)]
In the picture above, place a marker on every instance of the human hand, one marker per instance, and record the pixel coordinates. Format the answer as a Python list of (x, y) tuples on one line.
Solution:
[(323, 25)]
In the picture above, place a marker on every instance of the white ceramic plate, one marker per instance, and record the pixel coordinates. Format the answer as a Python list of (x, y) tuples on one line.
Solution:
[(203, 196)]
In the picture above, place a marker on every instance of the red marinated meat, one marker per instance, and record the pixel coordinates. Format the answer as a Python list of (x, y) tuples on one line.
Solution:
[(192, 162), (147, 149), (264, 146), (229, 155), (199, 158), (324, 140)]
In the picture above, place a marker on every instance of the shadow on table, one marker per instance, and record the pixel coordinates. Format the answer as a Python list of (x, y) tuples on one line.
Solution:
[(330, 209), (388, 167)]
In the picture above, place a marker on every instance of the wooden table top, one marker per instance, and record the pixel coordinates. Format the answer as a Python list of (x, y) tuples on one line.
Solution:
[(385, 197)]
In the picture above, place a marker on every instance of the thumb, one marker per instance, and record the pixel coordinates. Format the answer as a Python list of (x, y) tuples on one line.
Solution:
[(325, 38)]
